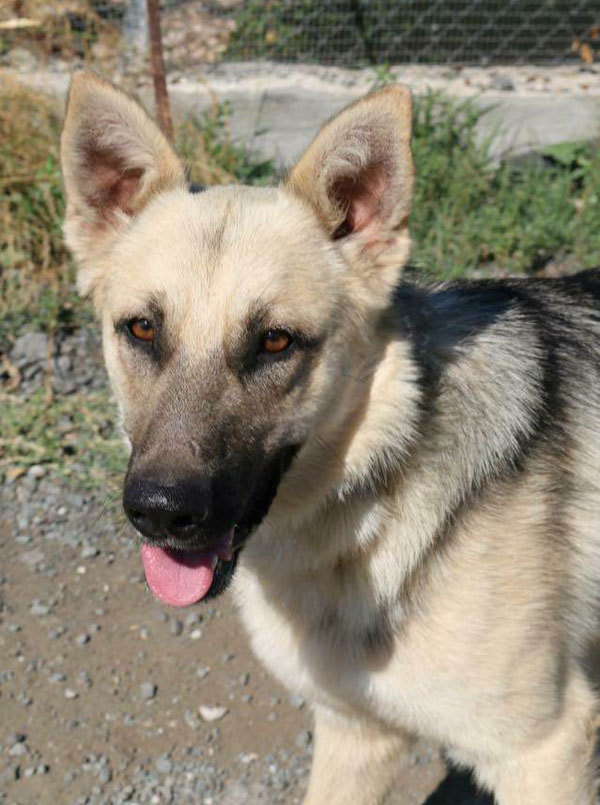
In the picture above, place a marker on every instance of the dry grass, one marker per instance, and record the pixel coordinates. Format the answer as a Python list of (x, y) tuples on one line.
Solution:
[(68, 29), (33, 259)]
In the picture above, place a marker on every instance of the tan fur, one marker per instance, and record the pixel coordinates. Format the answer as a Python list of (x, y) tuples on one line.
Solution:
[(128, 147), (351, 598)]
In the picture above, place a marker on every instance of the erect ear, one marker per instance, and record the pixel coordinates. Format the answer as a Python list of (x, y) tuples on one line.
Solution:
[(358, 177), (114, 159)]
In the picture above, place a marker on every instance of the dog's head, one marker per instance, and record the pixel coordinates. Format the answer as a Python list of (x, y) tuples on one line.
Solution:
[(233, 319)]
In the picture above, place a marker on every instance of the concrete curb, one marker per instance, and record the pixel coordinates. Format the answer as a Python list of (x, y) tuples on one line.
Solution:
[(277, 109)]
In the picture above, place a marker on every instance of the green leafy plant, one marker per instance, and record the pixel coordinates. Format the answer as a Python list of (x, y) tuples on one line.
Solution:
[(213, 157), (469, 212)]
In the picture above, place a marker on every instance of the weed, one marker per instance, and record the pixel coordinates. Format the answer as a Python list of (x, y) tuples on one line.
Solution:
[(382, 76), (35, 269), (75, 436), (213, 158), (469, 211)]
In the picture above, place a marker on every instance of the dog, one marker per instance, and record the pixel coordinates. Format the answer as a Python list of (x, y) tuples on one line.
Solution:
[(400, 482)]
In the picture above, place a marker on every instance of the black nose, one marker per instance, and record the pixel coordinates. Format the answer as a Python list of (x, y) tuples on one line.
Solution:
[(177, 510)]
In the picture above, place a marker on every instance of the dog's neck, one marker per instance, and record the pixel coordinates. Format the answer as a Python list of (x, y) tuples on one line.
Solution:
[(407, 441)]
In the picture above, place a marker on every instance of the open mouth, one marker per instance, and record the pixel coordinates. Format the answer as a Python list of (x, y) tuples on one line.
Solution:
[(180, 578), (183, 577)]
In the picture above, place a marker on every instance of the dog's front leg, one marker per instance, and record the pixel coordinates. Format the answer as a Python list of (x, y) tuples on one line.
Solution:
[(355, 761), (559, 769)]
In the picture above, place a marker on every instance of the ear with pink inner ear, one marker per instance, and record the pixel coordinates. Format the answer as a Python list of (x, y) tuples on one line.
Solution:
[(114, 160), (357, 175)]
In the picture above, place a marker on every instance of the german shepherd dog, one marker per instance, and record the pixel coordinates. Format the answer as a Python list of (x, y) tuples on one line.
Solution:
[(401, 483)]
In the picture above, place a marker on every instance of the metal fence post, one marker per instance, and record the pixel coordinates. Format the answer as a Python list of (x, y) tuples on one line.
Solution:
[(163, 111)]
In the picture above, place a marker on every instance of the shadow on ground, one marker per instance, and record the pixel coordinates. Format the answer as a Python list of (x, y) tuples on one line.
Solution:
[(457, 788)]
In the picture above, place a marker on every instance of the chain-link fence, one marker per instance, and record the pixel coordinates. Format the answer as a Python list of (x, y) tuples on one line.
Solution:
[(350, 33)]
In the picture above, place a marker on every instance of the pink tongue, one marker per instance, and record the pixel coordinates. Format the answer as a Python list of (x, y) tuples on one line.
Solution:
[(178, 578)]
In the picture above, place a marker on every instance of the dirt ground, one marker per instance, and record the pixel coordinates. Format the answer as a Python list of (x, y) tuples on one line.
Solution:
[(101, 685)]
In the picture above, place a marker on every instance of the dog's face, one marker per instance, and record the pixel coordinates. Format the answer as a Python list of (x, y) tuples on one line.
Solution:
[(230, 317)]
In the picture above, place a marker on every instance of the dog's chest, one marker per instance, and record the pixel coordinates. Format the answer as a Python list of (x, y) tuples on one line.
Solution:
[(375, 672), (336, 639), (346, 642)]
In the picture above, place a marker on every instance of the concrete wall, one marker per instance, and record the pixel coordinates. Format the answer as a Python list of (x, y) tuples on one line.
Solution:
[(277, 109)]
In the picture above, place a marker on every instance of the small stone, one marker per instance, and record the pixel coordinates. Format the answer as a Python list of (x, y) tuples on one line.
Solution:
[(191, 719), (502, 83), (193, 619), (196, 634), (105, 776), (39, 609), (296, 701), (18, 750), (148, 690), (202, 672), (36, 471), (84, 678), (89, 552), (70, 693), (208, 713), (32, 558), (57, 676), (164, 764), (82, 639), (304, 739), (30, 348), (244, 679), (10, 773), (176, 627)]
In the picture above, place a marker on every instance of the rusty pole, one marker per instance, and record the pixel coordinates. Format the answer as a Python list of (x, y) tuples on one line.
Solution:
[(163, 112)]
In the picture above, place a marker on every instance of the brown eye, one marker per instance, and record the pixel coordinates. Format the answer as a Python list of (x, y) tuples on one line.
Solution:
[(142, 330), (276, 341)]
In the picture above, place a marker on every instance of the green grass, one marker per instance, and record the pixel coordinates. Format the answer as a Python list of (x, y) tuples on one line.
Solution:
[(469, 212), (75, 436)]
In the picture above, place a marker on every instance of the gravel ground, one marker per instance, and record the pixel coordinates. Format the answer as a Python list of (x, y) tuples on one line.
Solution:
[(107, 696)]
